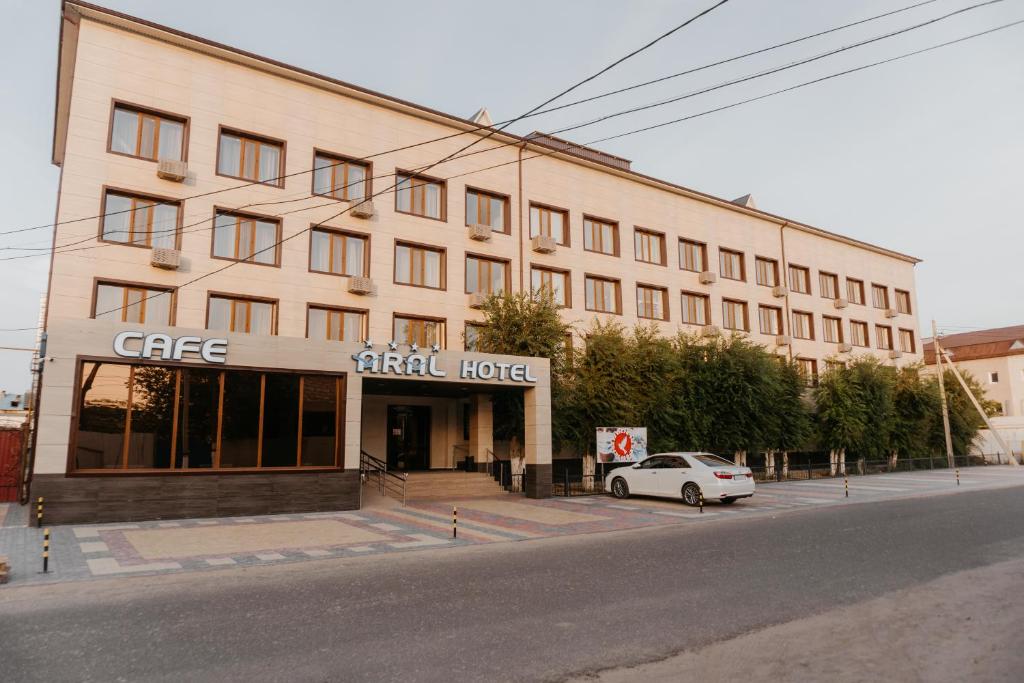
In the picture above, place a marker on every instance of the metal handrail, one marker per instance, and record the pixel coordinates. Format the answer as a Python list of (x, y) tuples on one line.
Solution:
[(387, 480)]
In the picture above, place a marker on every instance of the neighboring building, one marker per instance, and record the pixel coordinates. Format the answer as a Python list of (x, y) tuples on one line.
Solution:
[(13, 403), (995, 358), (151, 122)]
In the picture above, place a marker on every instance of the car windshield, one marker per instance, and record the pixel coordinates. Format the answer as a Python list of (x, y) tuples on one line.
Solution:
[(712, 460)]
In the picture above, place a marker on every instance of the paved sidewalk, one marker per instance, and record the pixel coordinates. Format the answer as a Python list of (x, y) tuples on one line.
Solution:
[(81, 552)]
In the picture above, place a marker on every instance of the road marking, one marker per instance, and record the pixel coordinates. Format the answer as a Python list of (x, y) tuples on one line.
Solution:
[(93, 547), (109, 565), (384, 526), (423, 541), (316, 552), (360, 548), (622, 507), (269, 557), (864, 487), (219, 561), (685, 515)]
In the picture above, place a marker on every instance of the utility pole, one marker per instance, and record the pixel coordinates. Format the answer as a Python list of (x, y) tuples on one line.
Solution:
[(977, 406), (942, 394)]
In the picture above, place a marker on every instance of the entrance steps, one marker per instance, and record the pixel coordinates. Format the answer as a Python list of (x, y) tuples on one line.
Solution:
[(451, 484)]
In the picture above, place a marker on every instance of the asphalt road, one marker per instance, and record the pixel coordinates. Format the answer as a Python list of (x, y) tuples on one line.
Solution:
[(531, 610)]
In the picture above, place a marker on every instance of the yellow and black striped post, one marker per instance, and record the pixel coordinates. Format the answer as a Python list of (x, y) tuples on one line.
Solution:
[(39, 512), (455, 522), (846, 485), (957, 476), (702, 501), (46, 551)]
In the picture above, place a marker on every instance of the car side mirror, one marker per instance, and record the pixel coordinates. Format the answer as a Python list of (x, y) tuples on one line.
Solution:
[(636, 466)]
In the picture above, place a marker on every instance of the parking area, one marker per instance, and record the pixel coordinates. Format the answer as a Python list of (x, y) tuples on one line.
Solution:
[(82, 552)]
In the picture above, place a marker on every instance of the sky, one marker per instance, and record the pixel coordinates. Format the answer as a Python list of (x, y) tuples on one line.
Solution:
[(924, 156)]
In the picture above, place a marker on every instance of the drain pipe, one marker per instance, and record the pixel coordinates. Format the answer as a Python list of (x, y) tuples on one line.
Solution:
[(784, 281), (519, 211)]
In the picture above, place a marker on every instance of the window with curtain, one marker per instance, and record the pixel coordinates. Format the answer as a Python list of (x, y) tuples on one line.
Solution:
[(769, 319), (829, 285), (246, 238), (809, 369), (858, 333), (693, 256), (602, 295), (731, 264), (147, 135), (767, 271), (338, 253), (419, 266), (832, 329), (734, 315), (250, 158), (880, 296), (471, 337), (424, 332), (649, 247), (903, 301), (484, 208), (249, 316), (140, 221), (550, 222), (651, 302), (799, 279), (696, 309), (486, 276), (803, 325), (883, 337), (554, 281), (855, 291), (420, 196), (907, 341), (335, 324), (600, 236), (133, 303), (340, 178)]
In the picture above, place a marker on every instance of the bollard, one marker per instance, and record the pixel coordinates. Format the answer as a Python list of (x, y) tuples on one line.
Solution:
[(455, 522), (46, 551), (957, 476), (702, 501), (39, 512), (846, 485), (566, 471), (808, 468)]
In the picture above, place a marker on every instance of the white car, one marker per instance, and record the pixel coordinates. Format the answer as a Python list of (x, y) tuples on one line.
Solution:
[(683, 475)]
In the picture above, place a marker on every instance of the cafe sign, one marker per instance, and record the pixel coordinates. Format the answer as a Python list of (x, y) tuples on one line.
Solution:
[(133, 344)]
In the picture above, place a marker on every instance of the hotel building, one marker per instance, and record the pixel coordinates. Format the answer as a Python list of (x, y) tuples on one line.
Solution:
[(219, 270)]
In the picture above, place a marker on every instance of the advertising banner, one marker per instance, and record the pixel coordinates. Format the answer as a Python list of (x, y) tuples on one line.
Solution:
[(621, 444)]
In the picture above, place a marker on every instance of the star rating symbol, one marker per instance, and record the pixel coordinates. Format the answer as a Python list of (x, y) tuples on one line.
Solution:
[(414, 348), (368, 344), (435, 348), (393, 345)]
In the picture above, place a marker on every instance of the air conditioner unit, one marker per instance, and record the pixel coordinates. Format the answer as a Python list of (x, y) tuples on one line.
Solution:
[(481, 233), (891, 313), (172, 169), (782, 340), (840, 303), (478, 299), (364, 209), (779, 291), (169, 259), (360, 285), (710, 331), (894, 354), (707, 277), (544, 244), (845, 348)]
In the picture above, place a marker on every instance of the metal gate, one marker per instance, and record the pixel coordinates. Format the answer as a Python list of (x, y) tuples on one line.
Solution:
[(11, 449)]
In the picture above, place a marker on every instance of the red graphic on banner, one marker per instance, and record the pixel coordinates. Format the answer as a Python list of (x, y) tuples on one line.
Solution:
[(623, 444)]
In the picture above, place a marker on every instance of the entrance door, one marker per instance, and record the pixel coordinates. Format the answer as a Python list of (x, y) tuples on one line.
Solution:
[(409, 437)]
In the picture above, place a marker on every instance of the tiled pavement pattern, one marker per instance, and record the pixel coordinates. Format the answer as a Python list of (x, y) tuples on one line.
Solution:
[(91, 551)]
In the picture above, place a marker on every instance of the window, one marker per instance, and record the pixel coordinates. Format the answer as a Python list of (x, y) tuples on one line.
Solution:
[(803, 325), (902, 301), (734, 315), (424, 332), (858, 333), (550, 222), (731, 264), (800, 279), (240, 237), (139, 221), (485, 208), (139, 417), (693, 256), (602, 295), (341, 178), (809, 369), (133, 303), (883, 337), (146, 134), (855, 291), (600, 236), (993, 378), (486, 276), (651, 302), (339, 253), (769, 319), (335, 324), (240, 155), (235, 314), (829, 285), (879, 296), (420, 196), (554, 281), (833, 329), (649, 247), (907, 341), (696, 309), (471, 337), (831, 365), (767, 271), (420, 266)]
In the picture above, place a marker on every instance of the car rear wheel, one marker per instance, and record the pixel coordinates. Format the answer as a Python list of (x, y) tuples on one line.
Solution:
[(691, 494), (728, 501), (620, 489)]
